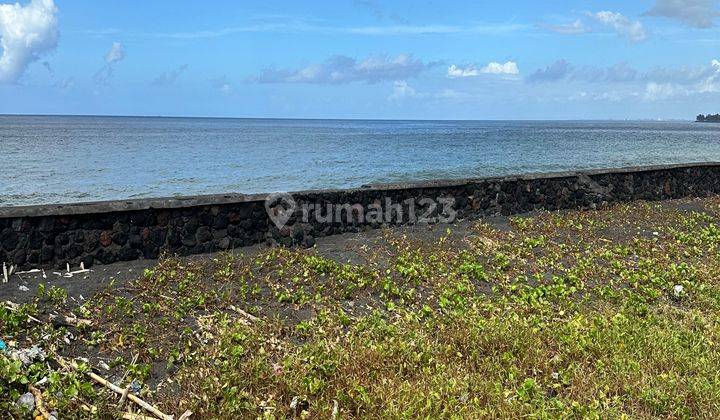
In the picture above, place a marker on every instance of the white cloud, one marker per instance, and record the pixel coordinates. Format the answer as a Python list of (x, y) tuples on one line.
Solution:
[(496, 68), (455, 72), (222, 84), (509, 68), (26, 33), (574, 28), (115, 55), (341, 69), (401, 90), (659, 91), (666, 83), (302, 27), (696, 13), (653, 85), (711, 83), (633, 31)]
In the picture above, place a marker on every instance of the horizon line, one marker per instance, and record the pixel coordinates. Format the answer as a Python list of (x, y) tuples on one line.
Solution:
[(339, 119)]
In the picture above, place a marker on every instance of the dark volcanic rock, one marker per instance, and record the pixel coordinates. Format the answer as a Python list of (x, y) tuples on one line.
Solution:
[(108, 232)]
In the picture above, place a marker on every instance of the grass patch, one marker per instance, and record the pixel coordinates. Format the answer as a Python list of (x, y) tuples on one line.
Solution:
[(602, 314)]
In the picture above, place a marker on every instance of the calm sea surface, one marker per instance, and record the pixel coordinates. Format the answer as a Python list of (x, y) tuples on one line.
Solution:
[(71, 159)]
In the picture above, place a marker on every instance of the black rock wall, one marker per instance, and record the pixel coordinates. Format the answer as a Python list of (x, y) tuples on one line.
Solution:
[(106, 232)]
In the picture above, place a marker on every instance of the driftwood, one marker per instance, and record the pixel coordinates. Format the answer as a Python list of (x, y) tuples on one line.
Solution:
[(249, 317), (33, 271), (123, 397), (133, 416), (68, 273), (39, 404), (111, 386), (132, 397)]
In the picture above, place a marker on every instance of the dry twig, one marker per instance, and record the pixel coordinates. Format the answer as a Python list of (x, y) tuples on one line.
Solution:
[(39, 404)]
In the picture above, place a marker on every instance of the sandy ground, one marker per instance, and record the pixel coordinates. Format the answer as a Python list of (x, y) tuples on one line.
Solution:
[(342, 248), (348, 247)]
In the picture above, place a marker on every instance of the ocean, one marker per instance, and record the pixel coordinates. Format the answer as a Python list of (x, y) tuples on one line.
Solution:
[(64, 159)]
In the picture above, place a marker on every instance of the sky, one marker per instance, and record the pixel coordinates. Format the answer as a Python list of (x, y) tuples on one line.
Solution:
[(480, 60)]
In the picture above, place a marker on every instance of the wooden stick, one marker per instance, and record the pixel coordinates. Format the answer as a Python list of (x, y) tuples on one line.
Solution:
[(111, 386), (5, 274), (133, 416), (39, 402), (250, 317), (123, 398), (33, 271), (132, 397), (186, 415), (121, 403)]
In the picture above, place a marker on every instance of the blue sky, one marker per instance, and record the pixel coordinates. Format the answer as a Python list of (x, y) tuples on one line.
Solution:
[(362, 59)]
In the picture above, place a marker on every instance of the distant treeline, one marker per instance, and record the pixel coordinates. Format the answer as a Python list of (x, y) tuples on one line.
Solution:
[(708, 118)]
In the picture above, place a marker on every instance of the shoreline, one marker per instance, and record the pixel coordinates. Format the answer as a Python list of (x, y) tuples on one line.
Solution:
[(185, 201)]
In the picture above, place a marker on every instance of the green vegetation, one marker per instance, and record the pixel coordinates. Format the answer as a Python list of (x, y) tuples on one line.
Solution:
[(605, 314), (708, 118)]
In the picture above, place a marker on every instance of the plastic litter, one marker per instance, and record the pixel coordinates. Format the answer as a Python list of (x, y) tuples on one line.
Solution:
[(30, 356), (135, 387)]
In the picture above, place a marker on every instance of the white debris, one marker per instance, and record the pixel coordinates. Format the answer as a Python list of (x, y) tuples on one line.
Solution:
[(29, 356), (678, 291), (26, 400), (24, 288), (33, 271)]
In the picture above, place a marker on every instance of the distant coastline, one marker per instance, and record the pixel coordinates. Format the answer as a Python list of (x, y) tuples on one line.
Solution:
[(709, 118)]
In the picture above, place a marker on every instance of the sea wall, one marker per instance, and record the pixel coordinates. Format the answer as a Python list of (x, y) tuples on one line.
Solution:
[(106, 232)]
